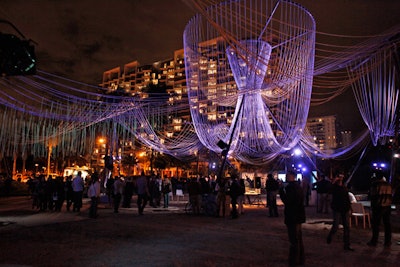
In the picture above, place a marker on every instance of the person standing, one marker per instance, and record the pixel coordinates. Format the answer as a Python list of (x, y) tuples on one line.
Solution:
[(194, 190), (166, 190), (234, 193), (110, 190), (153, 190), (381, 201), (51, 193), (94, 195), (292, 197), (128, 193), (323, 188), (341, 207), (69, 192), (272, 187), (159, 182), (221, 189), (142, 192), (305, 184), (60, 196), (118, 191), (77, 187), (240, 198)]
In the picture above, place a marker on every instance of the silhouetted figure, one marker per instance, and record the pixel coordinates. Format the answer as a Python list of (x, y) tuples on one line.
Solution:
[(59, 195), (41, 193), (118, 191), (221, 189), (323, 187), (128, 193), (110, 190), (272, 187), (50, 192), (69, 196), (234, 192), (240, 198), (77, 187), (381, 201), (341, 211), (166, 190), (292, 196), (143, 192), (195, 197), (305, 184), (94, 195)]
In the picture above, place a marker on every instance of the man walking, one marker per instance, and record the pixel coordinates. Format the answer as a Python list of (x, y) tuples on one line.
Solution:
[(292, 196), (341, 210)]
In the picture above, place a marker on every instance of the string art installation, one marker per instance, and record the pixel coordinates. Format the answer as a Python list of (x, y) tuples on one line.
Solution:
[(253, 71), (249, 69)]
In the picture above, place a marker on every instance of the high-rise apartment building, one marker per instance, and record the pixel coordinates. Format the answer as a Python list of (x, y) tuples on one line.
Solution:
[(323, 130), (216, 79), (346, 138)]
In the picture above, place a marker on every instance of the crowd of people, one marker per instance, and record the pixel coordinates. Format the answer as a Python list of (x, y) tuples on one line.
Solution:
[(227, 193), (50, 193)]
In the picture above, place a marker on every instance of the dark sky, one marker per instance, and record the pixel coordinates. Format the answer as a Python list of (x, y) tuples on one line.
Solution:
[(80, 39)]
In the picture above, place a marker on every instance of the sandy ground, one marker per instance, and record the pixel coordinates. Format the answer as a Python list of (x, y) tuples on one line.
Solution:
[(169, 237)]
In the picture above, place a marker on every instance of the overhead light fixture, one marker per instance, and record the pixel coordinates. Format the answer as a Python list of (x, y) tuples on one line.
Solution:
[(17, 55)]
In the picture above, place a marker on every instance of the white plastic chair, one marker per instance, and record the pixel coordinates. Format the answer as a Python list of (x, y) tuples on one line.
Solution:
[(358, 211)]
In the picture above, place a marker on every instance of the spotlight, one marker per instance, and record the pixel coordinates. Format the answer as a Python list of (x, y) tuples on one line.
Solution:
[(17, 56), (297, 152)]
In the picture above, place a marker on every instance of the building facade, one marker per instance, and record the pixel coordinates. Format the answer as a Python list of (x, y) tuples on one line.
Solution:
[(323, 131)]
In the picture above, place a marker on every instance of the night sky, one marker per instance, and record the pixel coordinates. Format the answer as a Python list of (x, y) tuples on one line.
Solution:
[(80, 39)]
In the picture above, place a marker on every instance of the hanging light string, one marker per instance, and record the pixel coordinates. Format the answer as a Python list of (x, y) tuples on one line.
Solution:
[(250, 66), (272, 86), (376, 95)]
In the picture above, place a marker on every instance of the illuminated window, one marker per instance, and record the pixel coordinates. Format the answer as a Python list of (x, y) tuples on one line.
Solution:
[(212, 117)]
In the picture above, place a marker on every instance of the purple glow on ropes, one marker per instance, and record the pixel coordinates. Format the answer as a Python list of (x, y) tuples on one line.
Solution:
[(376, 95), (249, 63), (268, 48)]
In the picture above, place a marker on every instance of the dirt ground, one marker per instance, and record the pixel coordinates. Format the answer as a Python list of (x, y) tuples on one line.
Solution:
[(169, 237)]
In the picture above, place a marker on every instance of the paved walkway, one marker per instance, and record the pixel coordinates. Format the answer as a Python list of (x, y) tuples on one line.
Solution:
[(168, 237)]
